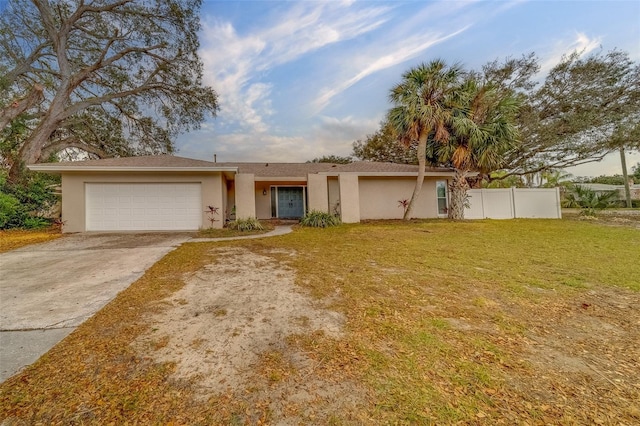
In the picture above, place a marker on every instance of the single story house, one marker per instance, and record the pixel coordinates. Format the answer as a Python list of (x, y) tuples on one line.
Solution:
[(166, 192)]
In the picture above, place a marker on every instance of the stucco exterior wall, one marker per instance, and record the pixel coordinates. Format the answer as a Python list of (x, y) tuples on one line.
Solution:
[(318, 193), (349, 198), (245, 196), (74, 203), (263, 202), (379, 197)]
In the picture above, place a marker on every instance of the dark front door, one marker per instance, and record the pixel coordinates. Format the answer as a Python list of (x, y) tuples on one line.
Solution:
[(290, 202)]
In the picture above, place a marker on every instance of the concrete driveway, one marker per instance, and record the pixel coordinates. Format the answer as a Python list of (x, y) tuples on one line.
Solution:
[(47, 290)]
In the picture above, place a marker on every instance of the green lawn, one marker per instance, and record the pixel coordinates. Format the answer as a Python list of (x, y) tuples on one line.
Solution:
[(481, 322)]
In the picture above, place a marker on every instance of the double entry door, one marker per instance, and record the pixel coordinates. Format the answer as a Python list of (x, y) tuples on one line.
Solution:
[(289, 201)]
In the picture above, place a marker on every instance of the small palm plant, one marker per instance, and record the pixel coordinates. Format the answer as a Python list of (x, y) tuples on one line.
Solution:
[(317, 219), (589, 200)]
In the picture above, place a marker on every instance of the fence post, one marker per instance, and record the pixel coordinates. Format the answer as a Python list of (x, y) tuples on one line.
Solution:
[(558, 203), (484, 215), (513, 202)]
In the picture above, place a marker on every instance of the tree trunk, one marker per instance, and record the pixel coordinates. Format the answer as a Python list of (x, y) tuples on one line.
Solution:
[(625, 176), (17, 107), (422, 154), (31, 150), (458, 195)]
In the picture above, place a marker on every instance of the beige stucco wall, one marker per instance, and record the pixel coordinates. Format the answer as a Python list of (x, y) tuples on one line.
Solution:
[(318, 193), (349, 198), (379, 197), (245, 196), (263, 202), (73, 192)]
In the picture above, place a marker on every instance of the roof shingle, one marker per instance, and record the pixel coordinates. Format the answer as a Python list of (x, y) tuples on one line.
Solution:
[(141, 161), (264, 170)]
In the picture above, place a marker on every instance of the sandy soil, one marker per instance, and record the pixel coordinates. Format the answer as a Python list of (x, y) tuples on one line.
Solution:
[(232, 320)]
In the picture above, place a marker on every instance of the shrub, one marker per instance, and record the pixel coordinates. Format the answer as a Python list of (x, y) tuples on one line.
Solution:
[(317, 219), (35, 222), (10, 211), (33, 193), (590, 201), (248, 224)]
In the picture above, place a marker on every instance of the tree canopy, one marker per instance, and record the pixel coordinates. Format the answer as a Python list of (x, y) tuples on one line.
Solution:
[(586, 108), (335, 159), (383, 146), (635, 170), (107, 77)]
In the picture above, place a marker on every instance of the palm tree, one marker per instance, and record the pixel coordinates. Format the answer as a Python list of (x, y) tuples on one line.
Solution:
[(482, 132), (422, 111)]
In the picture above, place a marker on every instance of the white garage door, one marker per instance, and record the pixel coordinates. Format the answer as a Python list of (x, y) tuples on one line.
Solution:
[(143, 206)]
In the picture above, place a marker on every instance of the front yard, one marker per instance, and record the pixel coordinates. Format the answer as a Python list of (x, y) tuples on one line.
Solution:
[(434, 322)]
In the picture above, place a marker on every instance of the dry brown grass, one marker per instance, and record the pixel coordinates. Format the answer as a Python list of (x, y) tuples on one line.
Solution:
[(227, 232), (16, 238), (487, 322)]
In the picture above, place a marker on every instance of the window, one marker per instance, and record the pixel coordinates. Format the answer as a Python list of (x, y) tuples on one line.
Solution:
[(441, 191)]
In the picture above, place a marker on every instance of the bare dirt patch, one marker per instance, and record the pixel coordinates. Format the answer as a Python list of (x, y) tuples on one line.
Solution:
[(227, 332)]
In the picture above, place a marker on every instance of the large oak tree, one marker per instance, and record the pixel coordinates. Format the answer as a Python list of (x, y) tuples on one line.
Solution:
[(107, 77)]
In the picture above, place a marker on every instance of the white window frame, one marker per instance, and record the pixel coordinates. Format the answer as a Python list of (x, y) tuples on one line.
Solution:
[(446, 197)]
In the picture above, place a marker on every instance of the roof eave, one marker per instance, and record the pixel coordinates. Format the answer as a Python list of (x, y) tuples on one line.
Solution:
[(52, 168), (280, 178), (391, 174)]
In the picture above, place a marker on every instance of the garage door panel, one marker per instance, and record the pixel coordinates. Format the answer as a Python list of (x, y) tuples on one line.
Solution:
[(143, 206)]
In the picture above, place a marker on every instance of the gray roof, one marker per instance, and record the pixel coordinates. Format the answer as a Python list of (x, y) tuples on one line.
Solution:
[(303, 169), (376, 167), (280, 169), (264, 170), (141, 161)]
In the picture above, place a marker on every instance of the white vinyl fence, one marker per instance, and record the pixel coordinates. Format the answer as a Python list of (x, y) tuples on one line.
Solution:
[(509, 203)]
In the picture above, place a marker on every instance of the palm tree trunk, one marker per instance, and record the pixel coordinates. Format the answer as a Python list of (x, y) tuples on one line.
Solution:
[(422, 154), (458, 195)]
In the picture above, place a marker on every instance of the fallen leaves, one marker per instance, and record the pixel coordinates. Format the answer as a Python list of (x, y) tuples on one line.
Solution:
[(519, 322), (16, 238)]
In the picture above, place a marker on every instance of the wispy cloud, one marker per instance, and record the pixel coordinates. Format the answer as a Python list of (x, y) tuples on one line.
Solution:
[(580, 43), (235, 63), (408, 49), (405, 39), (326, 136)]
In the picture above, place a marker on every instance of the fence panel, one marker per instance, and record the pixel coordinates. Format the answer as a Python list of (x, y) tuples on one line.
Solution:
[(509, 203), (542, 203)]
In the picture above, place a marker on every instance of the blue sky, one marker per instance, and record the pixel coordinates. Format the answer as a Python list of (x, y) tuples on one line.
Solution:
[(299, 80)]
